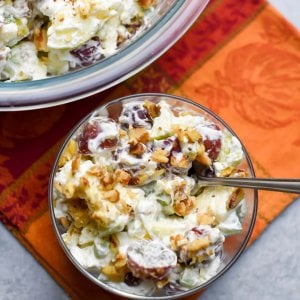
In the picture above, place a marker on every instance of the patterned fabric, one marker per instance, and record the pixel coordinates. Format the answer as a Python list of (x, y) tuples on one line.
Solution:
[(240, 59)]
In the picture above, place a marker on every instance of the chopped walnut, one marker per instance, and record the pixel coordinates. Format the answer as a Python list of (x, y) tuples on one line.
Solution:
[(114, 243), (152, 108), (84, 9), (198, 244), (83, 186), (236, 196), (136, 148), (138, 180), (122, 133), (183, 162), (184, 206), (160, 156), (134, 181), (139, 134), (122, 177), (188, 135), (193, 135), (68, 153), (179, 133), (76, 163), (183, 203), (108, 181), (105, 175), (111, 272), (177, 241), (120, 261), (203, 158), (227, 172), (78, 210), (68, 190), (159, 172), (84, 182), (233, 172), (65, 222), (114, 273), (112, 196), (40, 39), (240, 173), (161, 283), (126, 208), (97, 171)]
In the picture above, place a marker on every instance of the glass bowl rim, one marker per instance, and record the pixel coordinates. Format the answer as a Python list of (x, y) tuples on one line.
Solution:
[(85, 272)]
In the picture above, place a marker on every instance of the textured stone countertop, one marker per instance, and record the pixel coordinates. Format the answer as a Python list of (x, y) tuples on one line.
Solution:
[(269, 269)]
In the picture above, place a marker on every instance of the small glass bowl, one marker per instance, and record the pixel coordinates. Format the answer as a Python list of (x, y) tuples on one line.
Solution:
[(165, 25), (233, 246)]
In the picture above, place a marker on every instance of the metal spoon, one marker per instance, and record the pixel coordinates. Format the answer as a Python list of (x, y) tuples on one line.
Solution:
[(278, 184)]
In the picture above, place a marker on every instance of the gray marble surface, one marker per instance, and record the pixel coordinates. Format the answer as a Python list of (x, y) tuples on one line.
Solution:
[(270, 269)]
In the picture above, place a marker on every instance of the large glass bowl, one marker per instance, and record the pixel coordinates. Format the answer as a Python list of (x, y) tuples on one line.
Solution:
[(233, 246), (167, 23)]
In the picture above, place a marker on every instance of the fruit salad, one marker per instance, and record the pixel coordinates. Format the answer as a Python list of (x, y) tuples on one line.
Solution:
[(131, 207), (46, 38)]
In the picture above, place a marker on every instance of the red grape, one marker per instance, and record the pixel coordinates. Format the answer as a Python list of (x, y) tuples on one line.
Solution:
[(88, 53), (130, 280), (135, 115), (212, 143), (150, 259), (212, 147), (89, 131), (92, 130)]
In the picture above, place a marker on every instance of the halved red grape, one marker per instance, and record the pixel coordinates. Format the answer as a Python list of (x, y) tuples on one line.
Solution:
[(135, 115), (212, 147), (103, 131), (211, 134), (108, 143), (150, 259), (89, 131), (88, 53)]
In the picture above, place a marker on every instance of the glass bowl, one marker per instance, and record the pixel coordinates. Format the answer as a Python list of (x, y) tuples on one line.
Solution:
[(233, 245), (167, 23)]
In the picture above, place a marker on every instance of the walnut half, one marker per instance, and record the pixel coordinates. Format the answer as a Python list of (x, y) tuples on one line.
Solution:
[(160, 156), (152, 108), (136, 148), (139, 134)]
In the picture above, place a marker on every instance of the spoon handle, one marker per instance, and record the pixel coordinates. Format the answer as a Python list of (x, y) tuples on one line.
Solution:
[(278, 184)]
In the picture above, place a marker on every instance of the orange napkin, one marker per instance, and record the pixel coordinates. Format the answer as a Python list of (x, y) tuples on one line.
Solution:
[(241, 59)]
